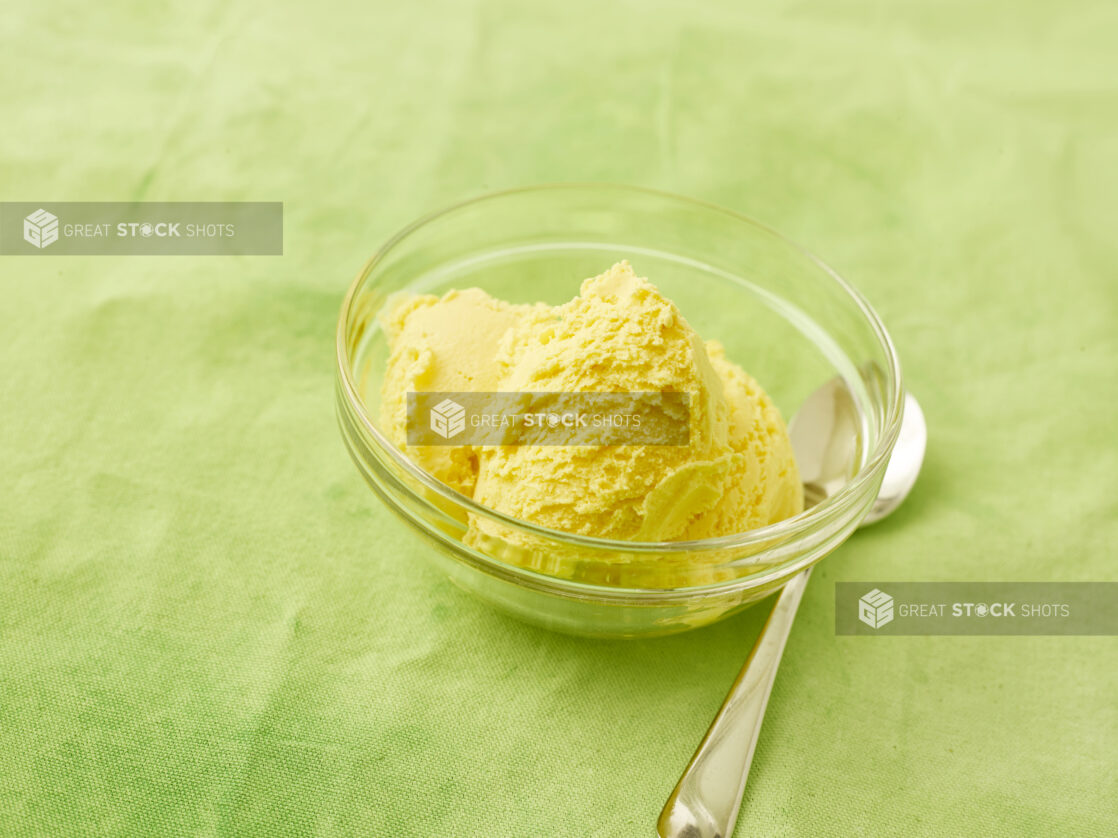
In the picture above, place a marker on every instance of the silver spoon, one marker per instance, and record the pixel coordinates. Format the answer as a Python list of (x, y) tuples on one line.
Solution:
[(706, 800)]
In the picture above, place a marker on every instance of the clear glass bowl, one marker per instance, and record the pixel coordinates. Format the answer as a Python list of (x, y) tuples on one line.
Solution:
[(783, 315)]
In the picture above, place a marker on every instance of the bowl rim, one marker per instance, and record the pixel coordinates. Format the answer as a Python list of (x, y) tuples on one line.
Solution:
[(781, 531)]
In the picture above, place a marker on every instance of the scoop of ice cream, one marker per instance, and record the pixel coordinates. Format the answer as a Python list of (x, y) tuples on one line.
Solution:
[(764, 486), (444, 344), (619, 335)]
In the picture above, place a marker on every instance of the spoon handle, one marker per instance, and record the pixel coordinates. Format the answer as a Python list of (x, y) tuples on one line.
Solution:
[(705, 802)]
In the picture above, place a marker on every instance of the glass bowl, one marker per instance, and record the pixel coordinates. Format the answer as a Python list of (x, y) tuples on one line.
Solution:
[(783, 315)]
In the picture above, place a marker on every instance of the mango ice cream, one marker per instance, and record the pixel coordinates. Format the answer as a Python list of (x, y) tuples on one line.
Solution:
[(737, 471)]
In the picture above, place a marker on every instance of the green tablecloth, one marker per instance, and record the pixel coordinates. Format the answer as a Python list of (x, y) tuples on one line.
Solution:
[(209, 626)]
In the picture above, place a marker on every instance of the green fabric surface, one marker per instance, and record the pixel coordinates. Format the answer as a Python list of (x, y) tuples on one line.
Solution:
[(208, 624)]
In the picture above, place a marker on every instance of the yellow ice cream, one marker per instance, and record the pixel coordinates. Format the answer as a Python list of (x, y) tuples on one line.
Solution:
[(736, 473), (444, 344)]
